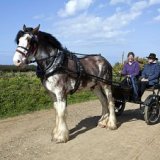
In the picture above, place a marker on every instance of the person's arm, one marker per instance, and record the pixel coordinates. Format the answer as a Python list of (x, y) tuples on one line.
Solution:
[(155, 75), (124, 70), (144, 71), (137, 69), (144, 74)]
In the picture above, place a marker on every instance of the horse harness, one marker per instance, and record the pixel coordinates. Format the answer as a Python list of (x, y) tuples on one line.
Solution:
[(58, 64)]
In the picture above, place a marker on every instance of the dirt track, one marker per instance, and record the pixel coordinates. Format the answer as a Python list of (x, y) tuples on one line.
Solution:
[(28, 137)]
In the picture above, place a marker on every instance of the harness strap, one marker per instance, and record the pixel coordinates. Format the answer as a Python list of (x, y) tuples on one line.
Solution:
[(59, 63), (55, 64), (17, 50), (29, 51), (80, 69)]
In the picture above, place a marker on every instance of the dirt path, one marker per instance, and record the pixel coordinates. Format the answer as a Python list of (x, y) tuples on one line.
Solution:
[(28, 137)]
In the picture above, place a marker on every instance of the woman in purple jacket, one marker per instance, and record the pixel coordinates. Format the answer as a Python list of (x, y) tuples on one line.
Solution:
[(131, 69)]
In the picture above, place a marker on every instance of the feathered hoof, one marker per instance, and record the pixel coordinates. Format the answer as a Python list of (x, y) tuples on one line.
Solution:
[(60, 136), (112, 126), (60, 139), (102, 124)]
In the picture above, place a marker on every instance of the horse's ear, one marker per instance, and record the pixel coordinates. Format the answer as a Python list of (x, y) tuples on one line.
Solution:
[(24, 27), (35, 30)]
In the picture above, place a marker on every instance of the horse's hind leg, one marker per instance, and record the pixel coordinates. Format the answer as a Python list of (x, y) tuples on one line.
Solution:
[(112, 117), (105, 112)]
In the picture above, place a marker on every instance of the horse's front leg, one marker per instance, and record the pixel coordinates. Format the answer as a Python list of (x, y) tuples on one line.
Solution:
[(60, 132)]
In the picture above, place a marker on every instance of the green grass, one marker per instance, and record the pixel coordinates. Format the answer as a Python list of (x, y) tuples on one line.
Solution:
[(21, 93)]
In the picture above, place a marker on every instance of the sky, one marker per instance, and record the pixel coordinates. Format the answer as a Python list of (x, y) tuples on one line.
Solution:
[(109, 27)]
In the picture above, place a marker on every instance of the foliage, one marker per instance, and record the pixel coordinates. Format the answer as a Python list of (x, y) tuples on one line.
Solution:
[(23, 92), (117, 68), (12, 68), (142, 61)]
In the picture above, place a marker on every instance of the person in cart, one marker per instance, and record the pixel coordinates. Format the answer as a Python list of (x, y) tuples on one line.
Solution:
[(131, 69), (150, 74)]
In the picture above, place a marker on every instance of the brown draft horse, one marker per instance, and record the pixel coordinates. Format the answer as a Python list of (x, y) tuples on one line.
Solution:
[(44, 48)]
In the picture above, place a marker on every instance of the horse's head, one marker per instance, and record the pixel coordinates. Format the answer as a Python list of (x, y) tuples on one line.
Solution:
[(27, 45)]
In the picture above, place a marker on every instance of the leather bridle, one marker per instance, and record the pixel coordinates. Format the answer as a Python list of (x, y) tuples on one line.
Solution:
[(32, 50)]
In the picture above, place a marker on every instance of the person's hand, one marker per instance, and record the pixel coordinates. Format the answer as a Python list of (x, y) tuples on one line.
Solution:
[(128, 75), (144, 79)]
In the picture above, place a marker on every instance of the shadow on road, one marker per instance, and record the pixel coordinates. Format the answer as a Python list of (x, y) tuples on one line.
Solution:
[(91, 122), (129, 116), (83, 126)]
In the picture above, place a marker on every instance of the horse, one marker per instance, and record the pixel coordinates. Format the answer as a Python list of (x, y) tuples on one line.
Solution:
[(62, 73)]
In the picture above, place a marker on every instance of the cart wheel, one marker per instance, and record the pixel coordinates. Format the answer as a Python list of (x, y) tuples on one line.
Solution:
[(119, 107), (152, 113)]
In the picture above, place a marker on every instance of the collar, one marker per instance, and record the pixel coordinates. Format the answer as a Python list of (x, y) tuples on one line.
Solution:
[(130, 63), (154, 62)]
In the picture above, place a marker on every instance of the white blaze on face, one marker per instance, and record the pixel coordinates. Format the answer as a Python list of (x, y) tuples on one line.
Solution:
[(19, 59)]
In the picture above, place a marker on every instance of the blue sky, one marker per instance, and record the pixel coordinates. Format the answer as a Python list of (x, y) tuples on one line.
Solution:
[(109, 27)]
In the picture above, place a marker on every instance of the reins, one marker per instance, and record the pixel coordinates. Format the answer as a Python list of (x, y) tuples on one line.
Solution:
[(68, 52), (91, 76), (72, 54), (42, 59), (29, 51)]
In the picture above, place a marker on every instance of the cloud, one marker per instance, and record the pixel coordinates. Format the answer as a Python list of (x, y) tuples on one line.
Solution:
[(102, 5), (157, 18), (115, 2), (44, 17), (94, 29), (74, 6), (38, 17), (152, 2), (90, 28), (158, 10), (139, 6)]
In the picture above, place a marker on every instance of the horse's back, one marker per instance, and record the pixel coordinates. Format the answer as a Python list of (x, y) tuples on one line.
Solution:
[(97, 65)]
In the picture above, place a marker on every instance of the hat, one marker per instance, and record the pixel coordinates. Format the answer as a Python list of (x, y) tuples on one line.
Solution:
[(152, 56)]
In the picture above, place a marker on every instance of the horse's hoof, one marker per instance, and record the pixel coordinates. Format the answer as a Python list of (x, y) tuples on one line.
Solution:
[(60, 139), (102, 125), (112, 127)]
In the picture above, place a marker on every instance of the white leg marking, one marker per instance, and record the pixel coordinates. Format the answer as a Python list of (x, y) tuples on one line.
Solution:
[(61, 133), (112, 123), (105, 113)]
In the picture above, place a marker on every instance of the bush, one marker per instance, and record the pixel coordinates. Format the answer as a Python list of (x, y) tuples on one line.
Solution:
[(23, 92), (12, 68)]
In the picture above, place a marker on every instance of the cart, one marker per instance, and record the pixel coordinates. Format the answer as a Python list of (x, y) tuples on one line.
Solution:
[(150, 108)]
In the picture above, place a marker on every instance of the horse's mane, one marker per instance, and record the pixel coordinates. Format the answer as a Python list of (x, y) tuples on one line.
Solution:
[(19, 34), (45, 40)]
